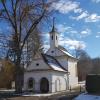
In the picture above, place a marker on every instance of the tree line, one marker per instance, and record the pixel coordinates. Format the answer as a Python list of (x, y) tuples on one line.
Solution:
[(87, 65)]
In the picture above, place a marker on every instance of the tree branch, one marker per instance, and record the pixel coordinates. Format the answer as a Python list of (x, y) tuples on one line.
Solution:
[(33, 26), (3, 3)]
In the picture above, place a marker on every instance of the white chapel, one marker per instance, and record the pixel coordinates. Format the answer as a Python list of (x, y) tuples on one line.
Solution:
[(54, 71)]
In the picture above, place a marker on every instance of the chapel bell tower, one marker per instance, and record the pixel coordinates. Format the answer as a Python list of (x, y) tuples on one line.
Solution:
[(53, 36)]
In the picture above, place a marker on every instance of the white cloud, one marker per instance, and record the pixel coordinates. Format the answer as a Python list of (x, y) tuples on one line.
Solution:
[(66, 6), (72, 43), (73, 32), (93, 18), (81, 16), (85, 32), (87, 17), (63, 28), (98, 35), (96, 1), (78, 10)]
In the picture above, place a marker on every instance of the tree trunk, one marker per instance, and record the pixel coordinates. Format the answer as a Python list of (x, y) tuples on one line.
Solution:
[(18, 80), (18, 74)]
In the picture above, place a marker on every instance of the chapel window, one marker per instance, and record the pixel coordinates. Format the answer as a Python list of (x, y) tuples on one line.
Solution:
[(56, 37), (37, 64), (52, 37)]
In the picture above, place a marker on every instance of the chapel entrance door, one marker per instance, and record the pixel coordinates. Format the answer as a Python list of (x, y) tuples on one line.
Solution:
[(44, 85)]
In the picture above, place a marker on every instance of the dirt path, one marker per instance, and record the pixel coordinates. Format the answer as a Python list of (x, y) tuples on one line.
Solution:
[(60, 96)]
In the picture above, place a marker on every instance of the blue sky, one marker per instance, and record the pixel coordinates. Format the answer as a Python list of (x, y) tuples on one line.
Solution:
[(78, 24)]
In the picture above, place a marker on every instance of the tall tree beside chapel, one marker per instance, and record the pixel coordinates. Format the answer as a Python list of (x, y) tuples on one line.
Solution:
[(23, 16)]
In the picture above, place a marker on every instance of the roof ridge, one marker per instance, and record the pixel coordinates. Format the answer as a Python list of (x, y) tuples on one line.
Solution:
[(55, 60), (61, 47), (66, 52), (45, 60), (60, 64)]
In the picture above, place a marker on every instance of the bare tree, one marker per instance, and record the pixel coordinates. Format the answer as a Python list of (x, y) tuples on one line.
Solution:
[(78, 51), (84, 65), (33, 44), (23, 16)]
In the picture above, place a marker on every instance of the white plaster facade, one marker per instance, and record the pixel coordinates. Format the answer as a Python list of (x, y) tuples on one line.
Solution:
[(57, 80), (57, 69)]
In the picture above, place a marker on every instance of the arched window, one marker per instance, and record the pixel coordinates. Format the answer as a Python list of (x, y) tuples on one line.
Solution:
[(44, 85), (52, 37), (56, 37), (30, 83)]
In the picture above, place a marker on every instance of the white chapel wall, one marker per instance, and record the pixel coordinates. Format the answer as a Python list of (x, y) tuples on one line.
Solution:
[(38, 64), (37, 75), (73, 78), (59, 81)]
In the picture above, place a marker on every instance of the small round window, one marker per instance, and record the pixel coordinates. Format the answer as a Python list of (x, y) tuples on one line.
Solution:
[(37, 64), (52, 51)]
